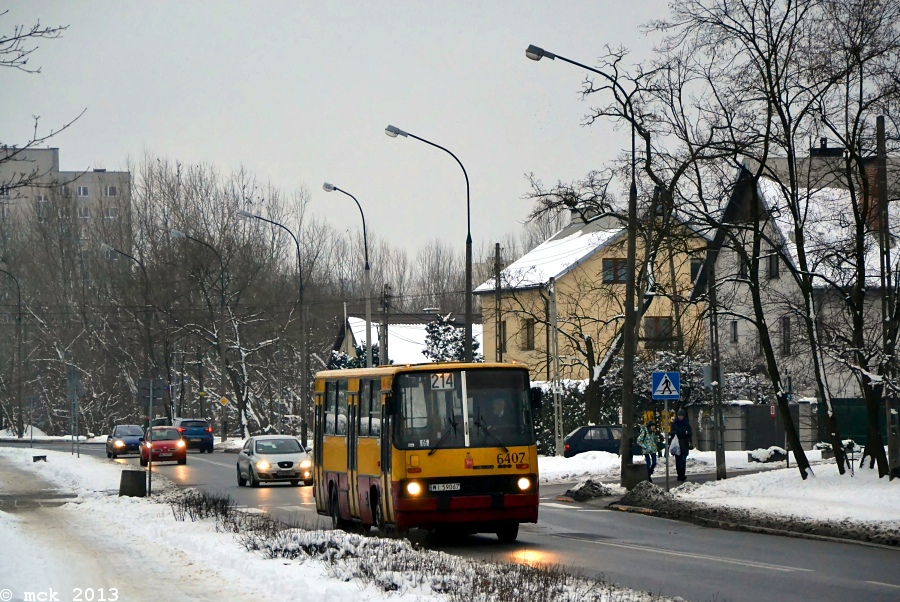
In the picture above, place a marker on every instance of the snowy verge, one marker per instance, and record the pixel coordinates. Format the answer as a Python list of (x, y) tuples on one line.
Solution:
[(224, 548), (861, 507)]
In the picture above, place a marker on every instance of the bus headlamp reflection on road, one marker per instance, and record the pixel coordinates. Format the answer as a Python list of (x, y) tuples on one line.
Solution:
[(413, 488), (524, 484)]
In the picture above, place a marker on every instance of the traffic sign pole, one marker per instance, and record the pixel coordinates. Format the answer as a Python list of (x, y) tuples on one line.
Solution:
[(666, 386)]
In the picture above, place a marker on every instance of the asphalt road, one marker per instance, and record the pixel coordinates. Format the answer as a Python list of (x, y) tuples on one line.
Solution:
[(637, 551)]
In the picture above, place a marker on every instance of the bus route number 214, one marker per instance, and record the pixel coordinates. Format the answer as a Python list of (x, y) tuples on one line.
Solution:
[(443, 380)]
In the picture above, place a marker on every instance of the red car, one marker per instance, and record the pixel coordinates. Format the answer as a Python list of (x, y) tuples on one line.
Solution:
[(166, 445)]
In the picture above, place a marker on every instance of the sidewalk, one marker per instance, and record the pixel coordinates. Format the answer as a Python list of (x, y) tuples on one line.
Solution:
[(47, 547)]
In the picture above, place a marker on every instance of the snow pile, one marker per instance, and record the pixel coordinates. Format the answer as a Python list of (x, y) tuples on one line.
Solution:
[(767, 455), (647, 495), (10, 433), (590, 489), (555, 469)]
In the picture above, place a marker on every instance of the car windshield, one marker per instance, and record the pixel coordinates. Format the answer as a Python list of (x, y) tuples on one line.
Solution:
[(165, 434), (278, 446), (129, 431), (193, 424), (498, 409)]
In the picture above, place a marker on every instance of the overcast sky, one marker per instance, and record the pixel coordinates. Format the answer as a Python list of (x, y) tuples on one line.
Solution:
[(300, 93)]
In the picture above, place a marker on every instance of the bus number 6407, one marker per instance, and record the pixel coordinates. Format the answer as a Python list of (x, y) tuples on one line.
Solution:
[(513, 458)]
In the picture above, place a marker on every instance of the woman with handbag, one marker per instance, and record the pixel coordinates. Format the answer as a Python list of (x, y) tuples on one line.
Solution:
[(680, 442)]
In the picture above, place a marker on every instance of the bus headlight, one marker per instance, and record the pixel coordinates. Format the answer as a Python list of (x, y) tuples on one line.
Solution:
[(413, 488), (524, 484)]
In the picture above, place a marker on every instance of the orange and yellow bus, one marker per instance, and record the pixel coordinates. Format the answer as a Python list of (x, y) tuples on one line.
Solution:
[(432, 446)]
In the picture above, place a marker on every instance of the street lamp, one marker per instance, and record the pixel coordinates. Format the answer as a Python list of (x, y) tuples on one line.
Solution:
[(221, 344), (304, 385), (108, 249), (393, 132), (536, 53), (331, 188), (20, 426)]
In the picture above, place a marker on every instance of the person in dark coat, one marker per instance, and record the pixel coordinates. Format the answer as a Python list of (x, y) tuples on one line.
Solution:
[(681, 428)]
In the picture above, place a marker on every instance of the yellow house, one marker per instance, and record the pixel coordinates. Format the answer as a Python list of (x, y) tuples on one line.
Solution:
[(582, 268)]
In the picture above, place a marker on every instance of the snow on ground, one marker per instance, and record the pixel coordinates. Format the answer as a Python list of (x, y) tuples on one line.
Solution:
[(148, 532), (827, 496), (604, 465)]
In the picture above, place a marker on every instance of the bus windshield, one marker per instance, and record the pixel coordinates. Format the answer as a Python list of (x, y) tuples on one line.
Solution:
[(497, 411)]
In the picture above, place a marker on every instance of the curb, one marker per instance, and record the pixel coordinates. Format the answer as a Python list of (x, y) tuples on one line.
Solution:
[(734, 526)]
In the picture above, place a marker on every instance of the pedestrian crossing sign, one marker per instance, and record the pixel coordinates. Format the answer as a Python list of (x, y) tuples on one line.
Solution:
[(666, 385)]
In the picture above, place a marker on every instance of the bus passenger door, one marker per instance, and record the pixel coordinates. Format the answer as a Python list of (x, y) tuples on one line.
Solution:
[(387, 500), (352, 445), (319, 490)]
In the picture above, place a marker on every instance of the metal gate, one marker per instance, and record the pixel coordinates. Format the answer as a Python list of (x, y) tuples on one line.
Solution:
[(765, 427)]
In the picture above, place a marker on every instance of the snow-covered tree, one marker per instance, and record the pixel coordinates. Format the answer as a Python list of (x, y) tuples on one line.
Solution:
[(445, 342)]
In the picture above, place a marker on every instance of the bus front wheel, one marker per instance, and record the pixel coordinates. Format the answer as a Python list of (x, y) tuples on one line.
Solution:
[(508, 533), (336, 522)]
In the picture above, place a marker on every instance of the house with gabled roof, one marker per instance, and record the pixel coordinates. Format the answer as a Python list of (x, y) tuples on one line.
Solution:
[(837, 247), (584, 266)]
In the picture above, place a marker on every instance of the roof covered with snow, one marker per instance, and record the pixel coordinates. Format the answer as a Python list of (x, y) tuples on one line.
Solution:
[(557, 255), (405, 341), (829, 231)]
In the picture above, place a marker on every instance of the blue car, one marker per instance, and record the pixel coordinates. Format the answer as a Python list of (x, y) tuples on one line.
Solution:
[(124, 439), (599, 437), (196, 432)]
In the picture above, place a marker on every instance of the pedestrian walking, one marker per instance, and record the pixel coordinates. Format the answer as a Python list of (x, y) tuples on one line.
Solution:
[(647, 440), (681, 440)]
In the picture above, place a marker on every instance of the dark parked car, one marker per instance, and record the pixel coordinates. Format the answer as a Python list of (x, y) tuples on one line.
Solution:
[(197, 433), (166, 445), (164, 421), (124, 439), (600, 437)]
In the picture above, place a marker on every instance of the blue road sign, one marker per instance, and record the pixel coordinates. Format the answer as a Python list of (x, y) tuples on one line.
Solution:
[(666, 385)]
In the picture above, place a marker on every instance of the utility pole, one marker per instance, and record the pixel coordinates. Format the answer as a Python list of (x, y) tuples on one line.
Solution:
[(715, 368), (383, 339), (497, 300), (554, 356), (887, 303)]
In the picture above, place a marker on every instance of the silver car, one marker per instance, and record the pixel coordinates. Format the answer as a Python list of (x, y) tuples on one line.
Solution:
[(272, 459)]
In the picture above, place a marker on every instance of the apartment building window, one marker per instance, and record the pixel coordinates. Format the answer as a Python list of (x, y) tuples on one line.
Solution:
[(84, 212), (658, 332), (112, 191), (66, 191), (614, 270), (528, 334), (503, 336), (696, 266), (772, 266), (42, 198), (4, 192), (112, 212), (734, 331), (83, 191), (4, 211), (786, 335)]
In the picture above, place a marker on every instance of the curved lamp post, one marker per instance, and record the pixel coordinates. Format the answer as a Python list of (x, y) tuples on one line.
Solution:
[(20, 419), (304, 385), (393, 132), (221, 344), (536, 53), (149, 359), (331, 188)]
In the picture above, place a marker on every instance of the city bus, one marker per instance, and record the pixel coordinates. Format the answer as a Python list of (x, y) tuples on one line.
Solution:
[(439, 446)]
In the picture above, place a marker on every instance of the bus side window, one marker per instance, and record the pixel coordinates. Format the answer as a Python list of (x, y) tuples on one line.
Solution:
[(375, 409), (365, 401), (341, 421), (330, 404)]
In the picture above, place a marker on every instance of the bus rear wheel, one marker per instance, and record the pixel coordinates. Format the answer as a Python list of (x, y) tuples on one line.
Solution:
[(508, 533)]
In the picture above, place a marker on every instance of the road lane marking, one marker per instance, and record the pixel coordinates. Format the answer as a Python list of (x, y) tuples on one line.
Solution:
[(592, 510), (747, 563), (251, 509), (296, 508), (563, 506), (884, 584)]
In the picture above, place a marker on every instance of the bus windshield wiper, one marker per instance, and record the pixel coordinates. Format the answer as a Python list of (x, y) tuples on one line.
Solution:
[(479, 422), (453, 426)]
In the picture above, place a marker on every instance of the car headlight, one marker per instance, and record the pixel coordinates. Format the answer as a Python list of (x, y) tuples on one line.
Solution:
[(263, 465), (119, 443), (149, 445), (524, 484), (413, 488), (305, 464), (180, 443)]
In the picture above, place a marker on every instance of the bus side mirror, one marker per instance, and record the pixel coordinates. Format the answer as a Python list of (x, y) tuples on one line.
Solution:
[(537, 399)]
